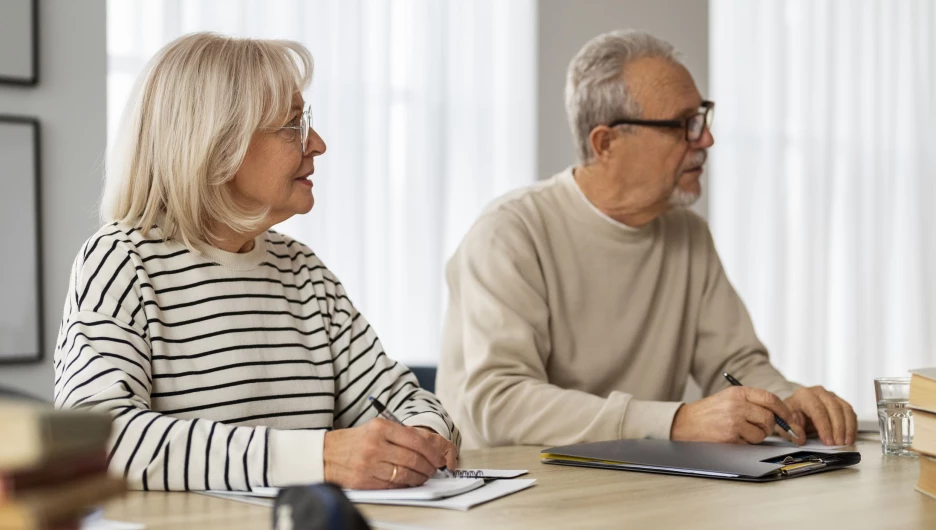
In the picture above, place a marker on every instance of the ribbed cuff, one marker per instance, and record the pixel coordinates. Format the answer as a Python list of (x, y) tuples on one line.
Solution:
[(430, 420), (649, 419), (296, 457)]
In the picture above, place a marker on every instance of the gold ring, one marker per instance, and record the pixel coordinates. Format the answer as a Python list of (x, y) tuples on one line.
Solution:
[(393, 475)]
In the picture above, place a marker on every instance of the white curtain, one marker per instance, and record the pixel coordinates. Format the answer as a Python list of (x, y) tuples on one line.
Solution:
[(824, 182), (428, 111)]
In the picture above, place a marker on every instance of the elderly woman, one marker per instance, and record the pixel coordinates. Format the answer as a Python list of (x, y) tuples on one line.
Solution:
[(227, 354)]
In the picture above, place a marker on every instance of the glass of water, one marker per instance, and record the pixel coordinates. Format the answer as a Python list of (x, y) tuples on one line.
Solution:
[(895, 418)]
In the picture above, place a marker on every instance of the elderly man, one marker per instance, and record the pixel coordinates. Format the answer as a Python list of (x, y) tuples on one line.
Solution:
[(579, 307)]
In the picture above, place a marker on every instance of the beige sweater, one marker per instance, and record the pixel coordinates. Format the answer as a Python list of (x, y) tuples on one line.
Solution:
[(564, 326)]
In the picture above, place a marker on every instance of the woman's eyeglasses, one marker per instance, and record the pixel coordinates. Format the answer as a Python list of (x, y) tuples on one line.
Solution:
[(301, 130)]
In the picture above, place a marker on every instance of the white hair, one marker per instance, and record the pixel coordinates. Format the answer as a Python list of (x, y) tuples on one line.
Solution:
[(681, 198), (186, 129), (595, 92)]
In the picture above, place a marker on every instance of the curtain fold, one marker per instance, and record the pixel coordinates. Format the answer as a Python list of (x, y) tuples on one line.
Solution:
[(428, 111), (823, 182)]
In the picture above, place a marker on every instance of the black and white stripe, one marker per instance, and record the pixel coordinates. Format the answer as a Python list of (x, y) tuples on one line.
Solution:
[(192, 358)]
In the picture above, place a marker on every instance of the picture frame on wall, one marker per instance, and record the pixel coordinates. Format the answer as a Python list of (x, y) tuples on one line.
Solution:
[(21, 327), (19, 55)]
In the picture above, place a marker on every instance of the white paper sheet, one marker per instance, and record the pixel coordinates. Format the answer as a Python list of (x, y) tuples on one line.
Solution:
[(434, 488), (812, 443), (488, 492)]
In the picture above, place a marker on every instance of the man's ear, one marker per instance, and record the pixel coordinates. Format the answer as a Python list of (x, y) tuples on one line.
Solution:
[(600, 140)]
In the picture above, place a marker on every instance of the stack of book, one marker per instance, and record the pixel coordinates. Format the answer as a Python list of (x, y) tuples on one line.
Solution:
[(53, 466), (923, 403)]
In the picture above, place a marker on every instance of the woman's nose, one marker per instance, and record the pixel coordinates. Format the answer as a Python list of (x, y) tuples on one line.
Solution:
[(316, 145)]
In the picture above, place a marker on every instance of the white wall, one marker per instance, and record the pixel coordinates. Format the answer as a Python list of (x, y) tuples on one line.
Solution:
[(564, 26), (70, 102)]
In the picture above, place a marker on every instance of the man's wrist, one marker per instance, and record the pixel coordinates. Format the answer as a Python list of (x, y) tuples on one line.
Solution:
[(679, 410)]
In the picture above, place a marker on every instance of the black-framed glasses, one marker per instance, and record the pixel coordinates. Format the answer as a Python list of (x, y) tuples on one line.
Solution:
[(695, 125)]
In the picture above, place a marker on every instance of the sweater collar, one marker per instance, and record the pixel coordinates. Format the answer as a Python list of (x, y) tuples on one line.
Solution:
[(597, 221), (240, 261)]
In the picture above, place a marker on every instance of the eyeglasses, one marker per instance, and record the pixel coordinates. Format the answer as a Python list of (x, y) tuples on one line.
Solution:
[(301, 130), (695, 125)]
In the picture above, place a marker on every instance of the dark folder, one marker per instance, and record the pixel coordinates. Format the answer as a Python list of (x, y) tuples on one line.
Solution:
[(753, 463)]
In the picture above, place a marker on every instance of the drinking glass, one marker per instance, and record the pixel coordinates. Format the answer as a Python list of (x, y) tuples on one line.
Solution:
[(895, 419)]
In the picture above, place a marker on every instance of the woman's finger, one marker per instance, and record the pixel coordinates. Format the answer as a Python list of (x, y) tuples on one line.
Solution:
[(397, 476), (408, 459), (411, 439), (445, 447)]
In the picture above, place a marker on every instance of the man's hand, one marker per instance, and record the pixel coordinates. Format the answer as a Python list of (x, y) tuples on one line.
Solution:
[(365, 457), (444, 446), (824, 413), (739, 414)]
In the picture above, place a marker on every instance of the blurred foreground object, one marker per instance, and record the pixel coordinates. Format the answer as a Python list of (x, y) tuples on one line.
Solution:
[(53, 465), (316, 507)]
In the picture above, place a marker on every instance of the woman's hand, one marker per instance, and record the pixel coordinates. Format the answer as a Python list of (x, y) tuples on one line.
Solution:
[(381, 454), (447, 448)]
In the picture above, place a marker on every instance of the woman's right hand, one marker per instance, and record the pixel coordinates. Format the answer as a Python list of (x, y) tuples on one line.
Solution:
[(364, 457)]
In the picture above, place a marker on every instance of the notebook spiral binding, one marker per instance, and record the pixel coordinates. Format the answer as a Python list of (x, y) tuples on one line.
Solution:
[(466, 473)]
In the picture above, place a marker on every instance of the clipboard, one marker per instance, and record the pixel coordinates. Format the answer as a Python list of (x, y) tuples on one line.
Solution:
[(749, 463)]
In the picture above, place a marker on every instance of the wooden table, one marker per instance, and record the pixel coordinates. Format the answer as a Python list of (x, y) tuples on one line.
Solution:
[(877, 493)]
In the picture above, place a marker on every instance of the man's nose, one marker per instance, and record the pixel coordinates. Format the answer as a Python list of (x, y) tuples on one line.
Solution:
[(706, 140)]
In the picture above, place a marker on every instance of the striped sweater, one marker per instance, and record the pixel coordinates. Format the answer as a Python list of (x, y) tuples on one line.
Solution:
[(222, 370)]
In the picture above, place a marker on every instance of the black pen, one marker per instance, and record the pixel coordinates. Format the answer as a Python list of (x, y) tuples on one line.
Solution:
[(783, 425), (385, 413)]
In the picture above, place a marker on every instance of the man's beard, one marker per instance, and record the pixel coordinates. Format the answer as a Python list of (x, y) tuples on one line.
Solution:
[(681, 198)]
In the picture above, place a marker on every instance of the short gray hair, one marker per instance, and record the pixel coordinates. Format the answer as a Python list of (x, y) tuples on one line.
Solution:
[(595, 93)]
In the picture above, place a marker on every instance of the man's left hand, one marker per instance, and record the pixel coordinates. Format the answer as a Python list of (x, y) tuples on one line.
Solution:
[(825, 414)]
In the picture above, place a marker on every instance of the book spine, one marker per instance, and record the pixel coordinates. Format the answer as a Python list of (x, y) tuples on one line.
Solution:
[(53, 473)]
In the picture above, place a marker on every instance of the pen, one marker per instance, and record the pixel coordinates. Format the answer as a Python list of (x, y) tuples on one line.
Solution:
[(783, 425), (385, 413)]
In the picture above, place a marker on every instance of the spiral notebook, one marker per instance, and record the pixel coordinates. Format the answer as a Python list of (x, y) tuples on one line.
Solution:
[(489, 473), (450, 493)]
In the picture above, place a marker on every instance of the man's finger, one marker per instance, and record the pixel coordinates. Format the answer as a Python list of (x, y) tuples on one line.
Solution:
[(768, 401), (851, 422), (798, 429), (836, 414), (752, 434), (798, 419), (760, 417), (816, 412)]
